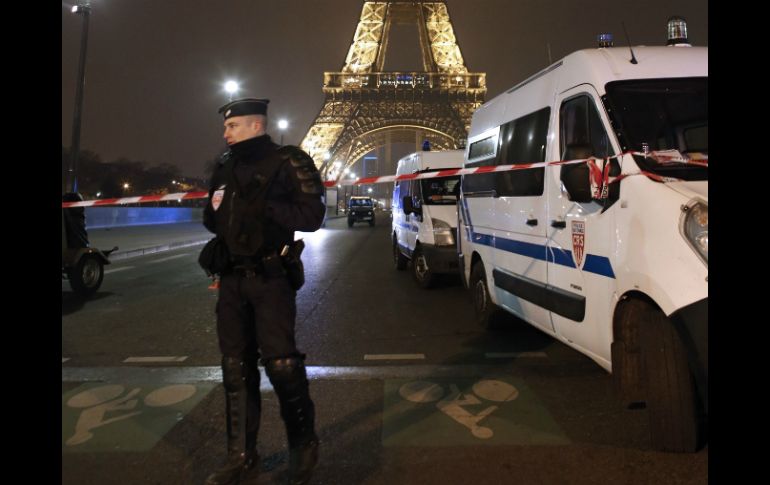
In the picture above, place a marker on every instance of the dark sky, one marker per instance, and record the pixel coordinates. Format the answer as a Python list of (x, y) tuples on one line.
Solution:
[(155, 68)]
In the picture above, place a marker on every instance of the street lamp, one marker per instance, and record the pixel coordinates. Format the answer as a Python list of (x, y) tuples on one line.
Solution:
[(282, 125), (231, 87), (82, 8)]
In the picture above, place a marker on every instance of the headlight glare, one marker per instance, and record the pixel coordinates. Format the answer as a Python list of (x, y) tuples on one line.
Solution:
[(695, 227)]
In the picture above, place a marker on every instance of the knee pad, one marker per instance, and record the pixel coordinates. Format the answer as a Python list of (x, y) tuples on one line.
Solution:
[(285, 371), (233, 373)]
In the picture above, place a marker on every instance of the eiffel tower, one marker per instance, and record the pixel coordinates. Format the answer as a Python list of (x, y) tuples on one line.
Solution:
[(366, 109)]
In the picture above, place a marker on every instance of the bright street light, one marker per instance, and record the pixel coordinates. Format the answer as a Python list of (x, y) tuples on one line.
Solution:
[(125, 186), (231, 87), (282, 125)]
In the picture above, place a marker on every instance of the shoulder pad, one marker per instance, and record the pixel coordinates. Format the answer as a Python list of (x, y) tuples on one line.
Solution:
[(304, 169), (298, 157)]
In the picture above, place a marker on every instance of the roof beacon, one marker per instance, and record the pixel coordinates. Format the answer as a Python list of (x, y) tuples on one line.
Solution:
[(677, 32), (605, 40)]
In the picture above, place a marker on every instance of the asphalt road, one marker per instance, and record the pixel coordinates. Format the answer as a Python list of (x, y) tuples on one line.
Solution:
[(407, 389)]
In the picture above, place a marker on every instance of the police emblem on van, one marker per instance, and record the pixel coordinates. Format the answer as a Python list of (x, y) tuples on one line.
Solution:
[(578, 241)]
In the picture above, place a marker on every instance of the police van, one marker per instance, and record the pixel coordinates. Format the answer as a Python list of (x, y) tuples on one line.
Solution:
[(424, 211), (608, 256)]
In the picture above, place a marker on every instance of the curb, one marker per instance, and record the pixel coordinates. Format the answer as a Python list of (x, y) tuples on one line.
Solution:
[(118, 255)]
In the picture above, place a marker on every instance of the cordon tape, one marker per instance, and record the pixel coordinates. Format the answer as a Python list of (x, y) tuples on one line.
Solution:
[(598, 173)]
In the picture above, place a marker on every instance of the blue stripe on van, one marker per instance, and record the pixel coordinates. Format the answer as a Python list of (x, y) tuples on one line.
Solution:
[(535, 251), (594, 264), (408, 227)]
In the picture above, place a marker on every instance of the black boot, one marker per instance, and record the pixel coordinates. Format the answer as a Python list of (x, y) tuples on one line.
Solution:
[(289, 380), (240, 458), (253, 403), (302, 461)]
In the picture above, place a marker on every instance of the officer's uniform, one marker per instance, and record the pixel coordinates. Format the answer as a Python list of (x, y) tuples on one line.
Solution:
[(260, 194)]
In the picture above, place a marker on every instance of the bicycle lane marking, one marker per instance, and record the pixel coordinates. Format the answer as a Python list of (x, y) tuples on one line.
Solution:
[(494, 410), (118, 417)]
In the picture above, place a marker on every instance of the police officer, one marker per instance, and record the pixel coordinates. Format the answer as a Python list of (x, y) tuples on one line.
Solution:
[(260, 194)]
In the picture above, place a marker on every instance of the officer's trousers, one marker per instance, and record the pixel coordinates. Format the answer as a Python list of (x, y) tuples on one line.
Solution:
[(255, 314)]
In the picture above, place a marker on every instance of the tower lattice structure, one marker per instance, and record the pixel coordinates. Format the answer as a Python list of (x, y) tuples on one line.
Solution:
[(366, 108)]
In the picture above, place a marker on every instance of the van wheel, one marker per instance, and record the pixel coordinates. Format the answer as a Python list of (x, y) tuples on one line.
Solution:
[(672, 402), (399, 260), (87, 275), (421, 270), (488, 315)]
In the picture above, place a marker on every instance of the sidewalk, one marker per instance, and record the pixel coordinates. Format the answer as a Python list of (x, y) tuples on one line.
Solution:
[(135, 241)]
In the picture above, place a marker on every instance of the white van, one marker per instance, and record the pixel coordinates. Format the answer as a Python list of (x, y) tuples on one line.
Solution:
[(621, 278), (424, 227)]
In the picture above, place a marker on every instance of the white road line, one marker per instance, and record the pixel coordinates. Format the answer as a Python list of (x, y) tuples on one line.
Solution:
[(115, 270), (185, 374), (508, 355), (168, 258), (64, 359), (145, 360), (393, 356)]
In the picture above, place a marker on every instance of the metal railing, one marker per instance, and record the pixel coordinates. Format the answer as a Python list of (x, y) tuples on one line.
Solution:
[(404, 80)]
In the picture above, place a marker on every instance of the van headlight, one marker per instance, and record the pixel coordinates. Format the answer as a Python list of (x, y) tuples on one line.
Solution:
[(694, 226), (442, 233)]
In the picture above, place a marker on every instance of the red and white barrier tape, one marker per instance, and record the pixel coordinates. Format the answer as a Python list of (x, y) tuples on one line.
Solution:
[(600, 178), (137, 200)]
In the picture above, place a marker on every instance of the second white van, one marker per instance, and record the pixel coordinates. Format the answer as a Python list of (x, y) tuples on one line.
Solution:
[(424, 227)]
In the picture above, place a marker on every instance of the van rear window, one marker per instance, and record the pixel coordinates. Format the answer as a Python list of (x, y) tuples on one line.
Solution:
[(482, 148)]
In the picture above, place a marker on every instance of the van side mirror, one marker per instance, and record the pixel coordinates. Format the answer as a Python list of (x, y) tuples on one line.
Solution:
[(576, 177), (407, 204)]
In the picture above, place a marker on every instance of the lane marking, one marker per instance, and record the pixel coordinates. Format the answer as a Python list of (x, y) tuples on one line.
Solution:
[(508, 355), (394, 356), (169, 258), (336, 373), (145, 360), (115, 270), (64, 359)]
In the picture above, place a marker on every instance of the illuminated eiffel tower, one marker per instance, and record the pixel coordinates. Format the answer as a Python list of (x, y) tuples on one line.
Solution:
[(366, 108)]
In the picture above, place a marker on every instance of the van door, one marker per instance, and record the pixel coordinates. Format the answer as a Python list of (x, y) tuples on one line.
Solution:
[(520, 274), (401, 220), (580, 273), (412, 225)]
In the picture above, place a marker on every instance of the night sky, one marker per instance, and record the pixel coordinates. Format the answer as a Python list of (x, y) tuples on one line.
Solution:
[(155, 68)]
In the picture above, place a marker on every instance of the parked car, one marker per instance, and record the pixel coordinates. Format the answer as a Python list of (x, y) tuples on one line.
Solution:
[(360, 209)]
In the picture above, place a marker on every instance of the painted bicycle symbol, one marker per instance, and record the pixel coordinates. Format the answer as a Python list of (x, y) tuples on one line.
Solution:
[(453, 403), (99, 401)]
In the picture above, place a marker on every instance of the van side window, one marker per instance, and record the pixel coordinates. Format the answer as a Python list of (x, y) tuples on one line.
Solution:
[(523, 141), (582, 135), (582, 132), (481, 154)]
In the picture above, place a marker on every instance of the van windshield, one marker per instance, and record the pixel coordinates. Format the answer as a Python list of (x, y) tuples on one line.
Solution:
[(668, 115), (440, 191)]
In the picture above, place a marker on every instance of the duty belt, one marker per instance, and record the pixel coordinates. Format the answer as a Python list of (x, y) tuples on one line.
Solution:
[(250, 266)]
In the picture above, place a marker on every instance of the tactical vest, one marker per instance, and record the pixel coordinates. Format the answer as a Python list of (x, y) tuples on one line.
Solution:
[(239, 218)]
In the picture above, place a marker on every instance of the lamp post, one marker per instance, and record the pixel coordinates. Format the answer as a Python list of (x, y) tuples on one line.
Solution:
[(282, 125), (83, 8)]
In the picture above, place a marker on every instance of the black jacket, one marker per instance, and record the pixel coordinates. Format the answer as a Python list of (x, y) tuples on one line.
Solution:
[(260, 206)]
